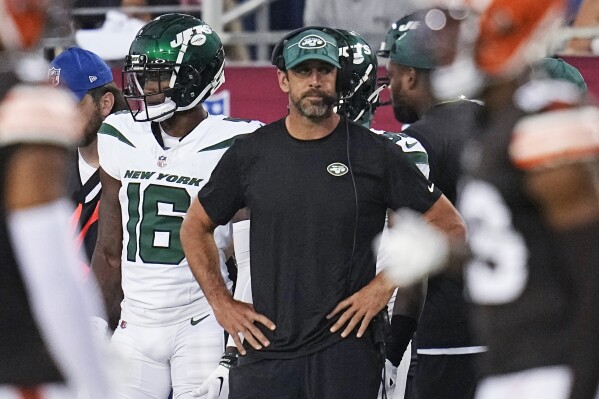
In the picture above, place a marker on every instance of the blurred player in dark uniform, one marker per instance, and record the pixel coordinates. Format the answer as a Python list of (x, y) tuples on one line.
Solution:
[(90, 79), (446, 349), (531, 202), (46, 344)]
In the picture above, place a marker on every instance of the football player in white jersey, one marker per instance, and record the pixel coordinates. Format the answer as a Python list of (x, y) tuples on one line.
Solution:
[(359, 105), (153, 161)]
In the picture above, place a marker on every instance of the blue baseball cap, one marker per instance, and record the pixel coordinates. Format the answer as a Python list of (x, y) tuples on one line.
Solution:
[(79, 70)]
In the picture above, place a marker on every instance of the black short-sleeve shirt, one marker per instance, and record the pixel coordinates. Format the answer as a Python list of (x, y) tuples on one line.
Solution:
[(303, 196), (443, 131)]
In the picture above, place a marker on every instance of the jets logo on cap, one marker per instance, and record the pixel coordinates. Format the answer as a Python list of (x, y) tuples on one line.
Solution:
[(337, 169), (312, 42)]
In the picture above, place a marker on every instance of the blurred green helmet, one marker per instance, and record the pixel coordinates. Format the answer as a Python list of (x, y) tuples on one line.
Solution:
[(359, 102), (175, 62)]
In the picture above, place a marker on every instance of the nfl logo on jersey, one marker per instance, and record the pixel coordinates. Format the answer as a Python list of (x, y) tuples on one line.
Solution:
[(54, 76), (161, 161)]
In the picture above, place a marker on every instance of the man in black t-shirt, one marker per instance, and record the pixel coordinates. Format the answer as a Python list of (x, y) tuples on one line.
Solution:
[(318, 187), (445, 346)]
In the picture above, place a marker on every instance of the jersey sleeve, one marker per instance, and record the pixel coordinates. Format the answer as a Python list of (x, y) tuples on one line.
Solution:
[(413, 149), (415, 152), (223, 195), (108, 144), (406, 185)]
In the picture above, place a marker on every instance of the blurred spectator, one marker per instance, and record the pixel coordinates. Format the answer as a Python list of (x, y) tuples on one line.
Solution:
[(233, 52), (146, 16), (572, 8), (111, 41), (371, 18), (588, 15), (287, 15), (92, 21)]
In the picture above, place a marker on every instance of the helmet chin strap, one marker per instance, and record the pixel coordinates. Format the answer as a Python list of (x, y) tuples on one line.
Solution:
[(159, 112)]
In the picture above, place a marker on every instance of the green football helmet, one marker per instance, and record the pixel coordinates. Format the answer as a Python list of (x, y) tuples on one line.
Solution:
[(360, 102), (175, 62), (397, 29)]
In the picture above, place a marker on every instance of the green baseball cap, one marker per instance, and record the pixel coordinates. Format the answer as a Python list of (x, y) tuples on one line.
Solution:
[(558, 69), (311, 44), (410, 43)]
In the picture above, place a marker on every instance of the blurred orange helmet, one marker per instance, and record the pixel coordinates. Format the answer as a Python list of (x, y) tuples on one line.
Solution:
[(514, 33), (22, 23), (495, 40)]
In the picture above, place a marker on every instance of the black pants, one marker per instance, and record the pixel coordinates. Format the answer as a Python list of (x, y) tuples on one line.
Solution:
[(350, 369), (445, 377)]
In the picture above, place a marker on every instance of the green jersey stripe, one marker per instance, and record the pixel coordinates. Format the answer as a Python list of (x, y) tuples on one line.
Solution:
[(112, 131), (223, 144)]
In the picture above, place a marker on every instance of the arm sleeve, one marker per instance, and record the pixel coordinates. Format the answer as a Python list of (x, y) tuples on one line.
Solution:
[(243, 289), (60, 305), (407, 187), (241, 239), (223, 195)]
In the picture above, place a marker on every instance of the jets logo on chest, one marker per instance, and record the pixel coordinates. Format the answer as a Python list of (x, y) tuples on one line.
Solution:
[(337, 169)]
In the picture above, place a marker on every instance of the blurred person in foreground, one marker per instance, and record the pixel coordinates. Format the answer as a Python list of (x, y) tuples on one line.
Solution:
[(90, 80), (531, 202), (47, 345)]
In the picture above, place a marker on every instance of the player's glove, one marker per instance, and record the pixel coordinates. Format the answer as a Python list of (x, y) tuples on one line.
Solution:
[(413, 249), (390, 378), (216, 385), (99, 328)]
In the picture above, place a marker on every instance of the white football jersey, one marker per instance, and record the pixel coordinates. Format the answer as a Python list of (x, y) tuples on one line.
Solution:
[(157, 188)]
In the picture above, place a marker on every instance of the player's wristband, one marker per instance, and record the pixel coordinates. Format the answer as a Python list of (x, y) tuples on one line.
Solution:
[(402, 330), (229, 358)]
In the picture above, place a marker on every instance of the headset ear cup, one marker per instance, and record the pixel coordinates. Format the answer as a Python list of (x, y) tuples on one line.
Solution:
[(281, 63), (277, 55)]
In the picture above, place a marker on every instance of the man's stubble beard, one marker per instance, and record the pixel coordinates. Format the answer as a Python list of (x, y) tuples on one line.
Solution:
[(308, 109), (91, 128), (405, 114)]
